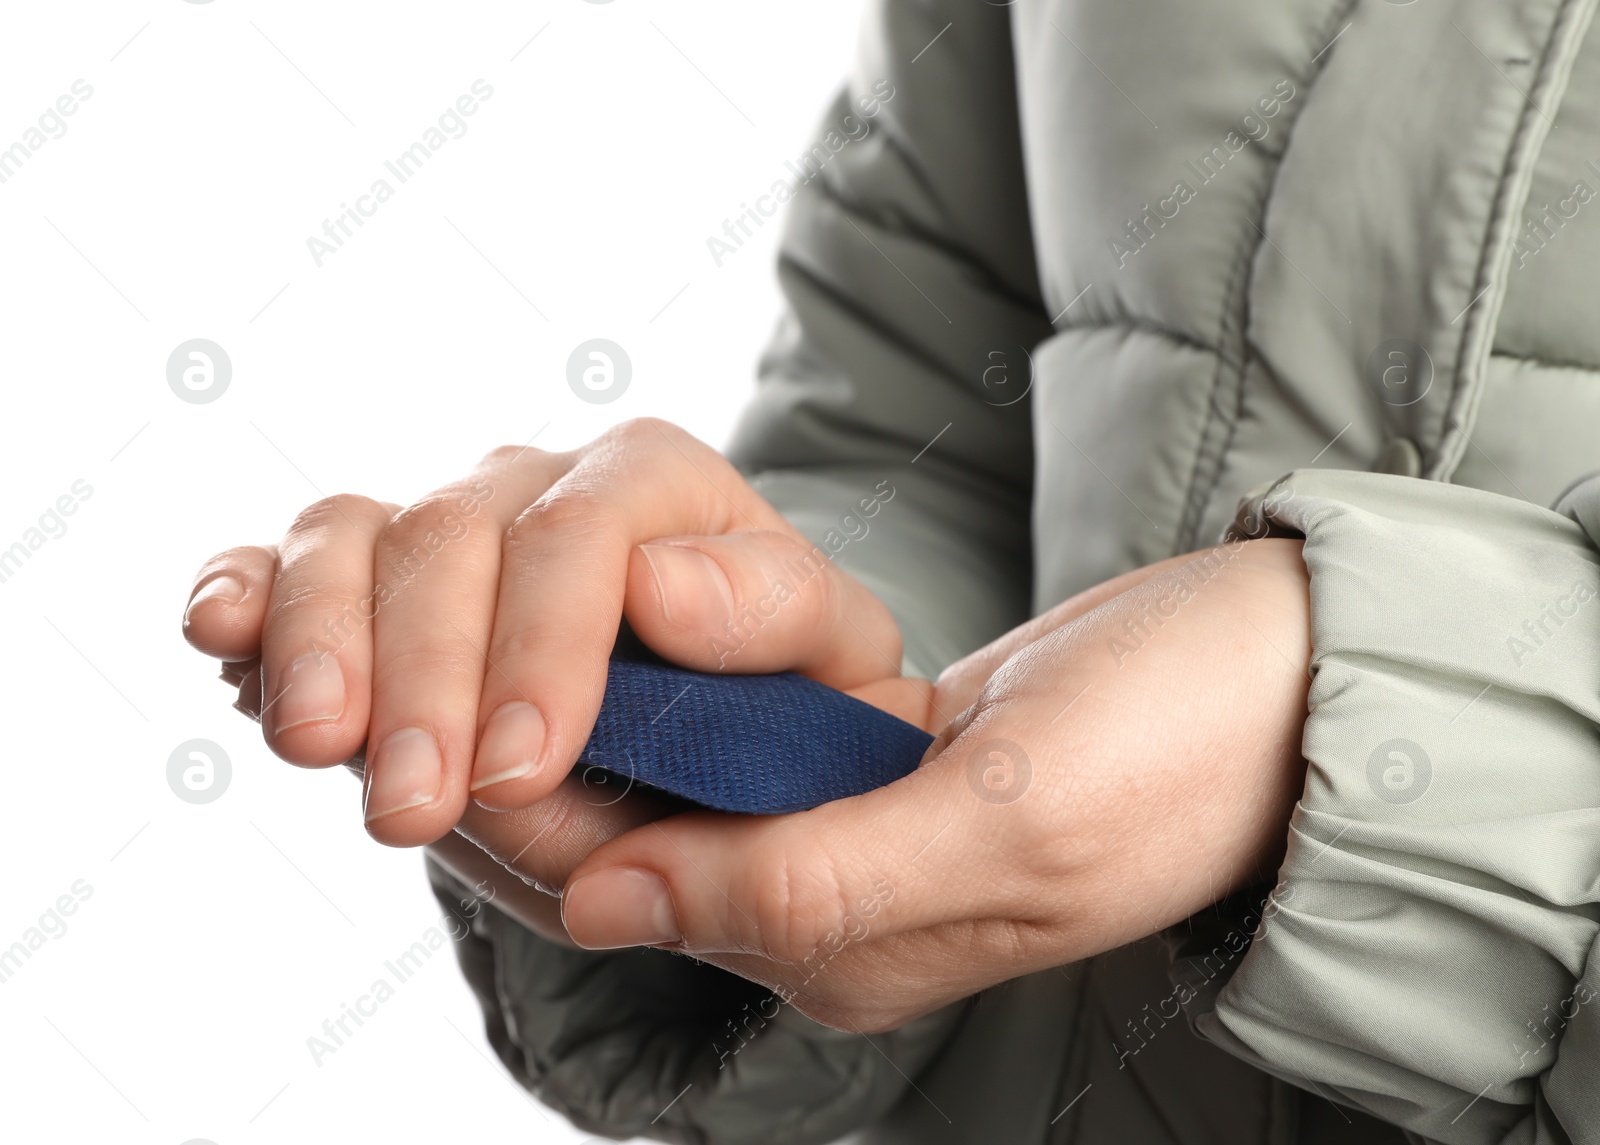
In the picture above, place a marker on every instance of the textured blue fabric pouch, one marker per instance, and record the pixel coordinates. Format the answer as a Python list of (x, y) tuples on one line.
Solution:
[(762, 745)]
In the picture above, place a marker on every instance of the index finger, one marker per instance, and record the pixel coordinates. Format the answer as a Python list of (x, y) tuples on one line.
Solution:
[(563, 581)]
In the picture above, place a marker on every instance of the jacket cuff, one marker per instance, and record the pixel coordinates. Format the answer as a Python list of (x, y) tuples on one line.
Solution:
[(1430, 952)]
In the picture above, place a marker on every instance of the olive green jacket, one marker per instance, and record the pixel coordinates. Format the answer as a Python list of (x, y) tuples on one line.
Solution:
[(1078, 277)]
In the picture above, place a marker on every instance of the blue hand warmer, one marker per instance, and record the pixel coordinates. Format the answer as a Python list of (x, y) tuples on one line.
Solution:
[(763, 745)]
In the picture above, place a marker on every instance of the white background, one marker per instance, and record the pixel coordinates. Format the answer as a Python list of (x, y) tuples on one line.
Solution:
[(177, 205)]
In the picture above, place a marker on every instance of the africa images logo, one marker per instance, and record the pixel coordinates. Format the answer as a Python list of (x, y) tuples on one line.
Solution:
[(1399, 771)]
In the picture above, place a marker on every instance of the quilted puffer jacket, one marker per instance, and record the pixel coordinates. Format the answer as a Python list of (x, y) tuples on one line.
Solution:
[(1099, 280)]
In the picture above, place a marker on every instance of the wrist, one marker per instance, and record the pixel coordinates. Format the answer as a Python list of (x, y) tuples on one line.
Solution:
[(1268, 607), (1215, 654)]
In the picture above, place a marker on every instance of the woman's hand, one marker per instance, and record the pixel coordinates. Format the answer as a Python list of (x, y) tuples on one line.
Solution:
[(1124, 761), (465, 638)]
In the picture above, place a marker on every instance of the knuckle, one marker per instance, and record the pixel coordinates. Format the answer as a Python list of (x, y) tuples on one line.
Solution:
[(523, 458), (650, 436), (516, 647), (504, 456), (398, 670), (248, 559), (339, 510), (566, 511), (436, 518), (546, 819), (831, 600), (643, 430), (781, 576), (301, 601), (797, 906), (818, 580)]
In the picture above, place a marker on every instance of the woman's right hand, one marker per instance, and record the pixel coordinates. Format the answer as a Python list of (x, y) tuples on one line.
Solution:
[(465, 638)]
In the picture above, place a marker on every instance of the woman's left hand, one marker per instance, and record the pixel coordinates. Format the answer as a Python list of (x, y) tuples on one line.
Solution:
[(1103, 772)]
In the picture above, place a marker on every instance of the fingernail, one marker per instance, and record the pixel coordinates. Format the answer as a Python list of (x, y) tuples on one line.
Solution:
[(509, 749), (225, 589), (312, 689), (619, 907), (695, 592), (405, 773)]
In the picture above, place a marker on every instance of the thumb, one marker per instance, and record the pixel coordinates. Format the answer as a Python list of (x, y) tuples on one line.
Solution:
[(759, 601), (925, 850)]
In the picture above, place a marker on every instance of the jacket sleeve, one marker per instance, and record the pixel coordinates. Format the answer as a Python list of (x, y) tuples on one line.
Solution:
[(1430, 952), (642, 1043), (891, 426), (903, 360)]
